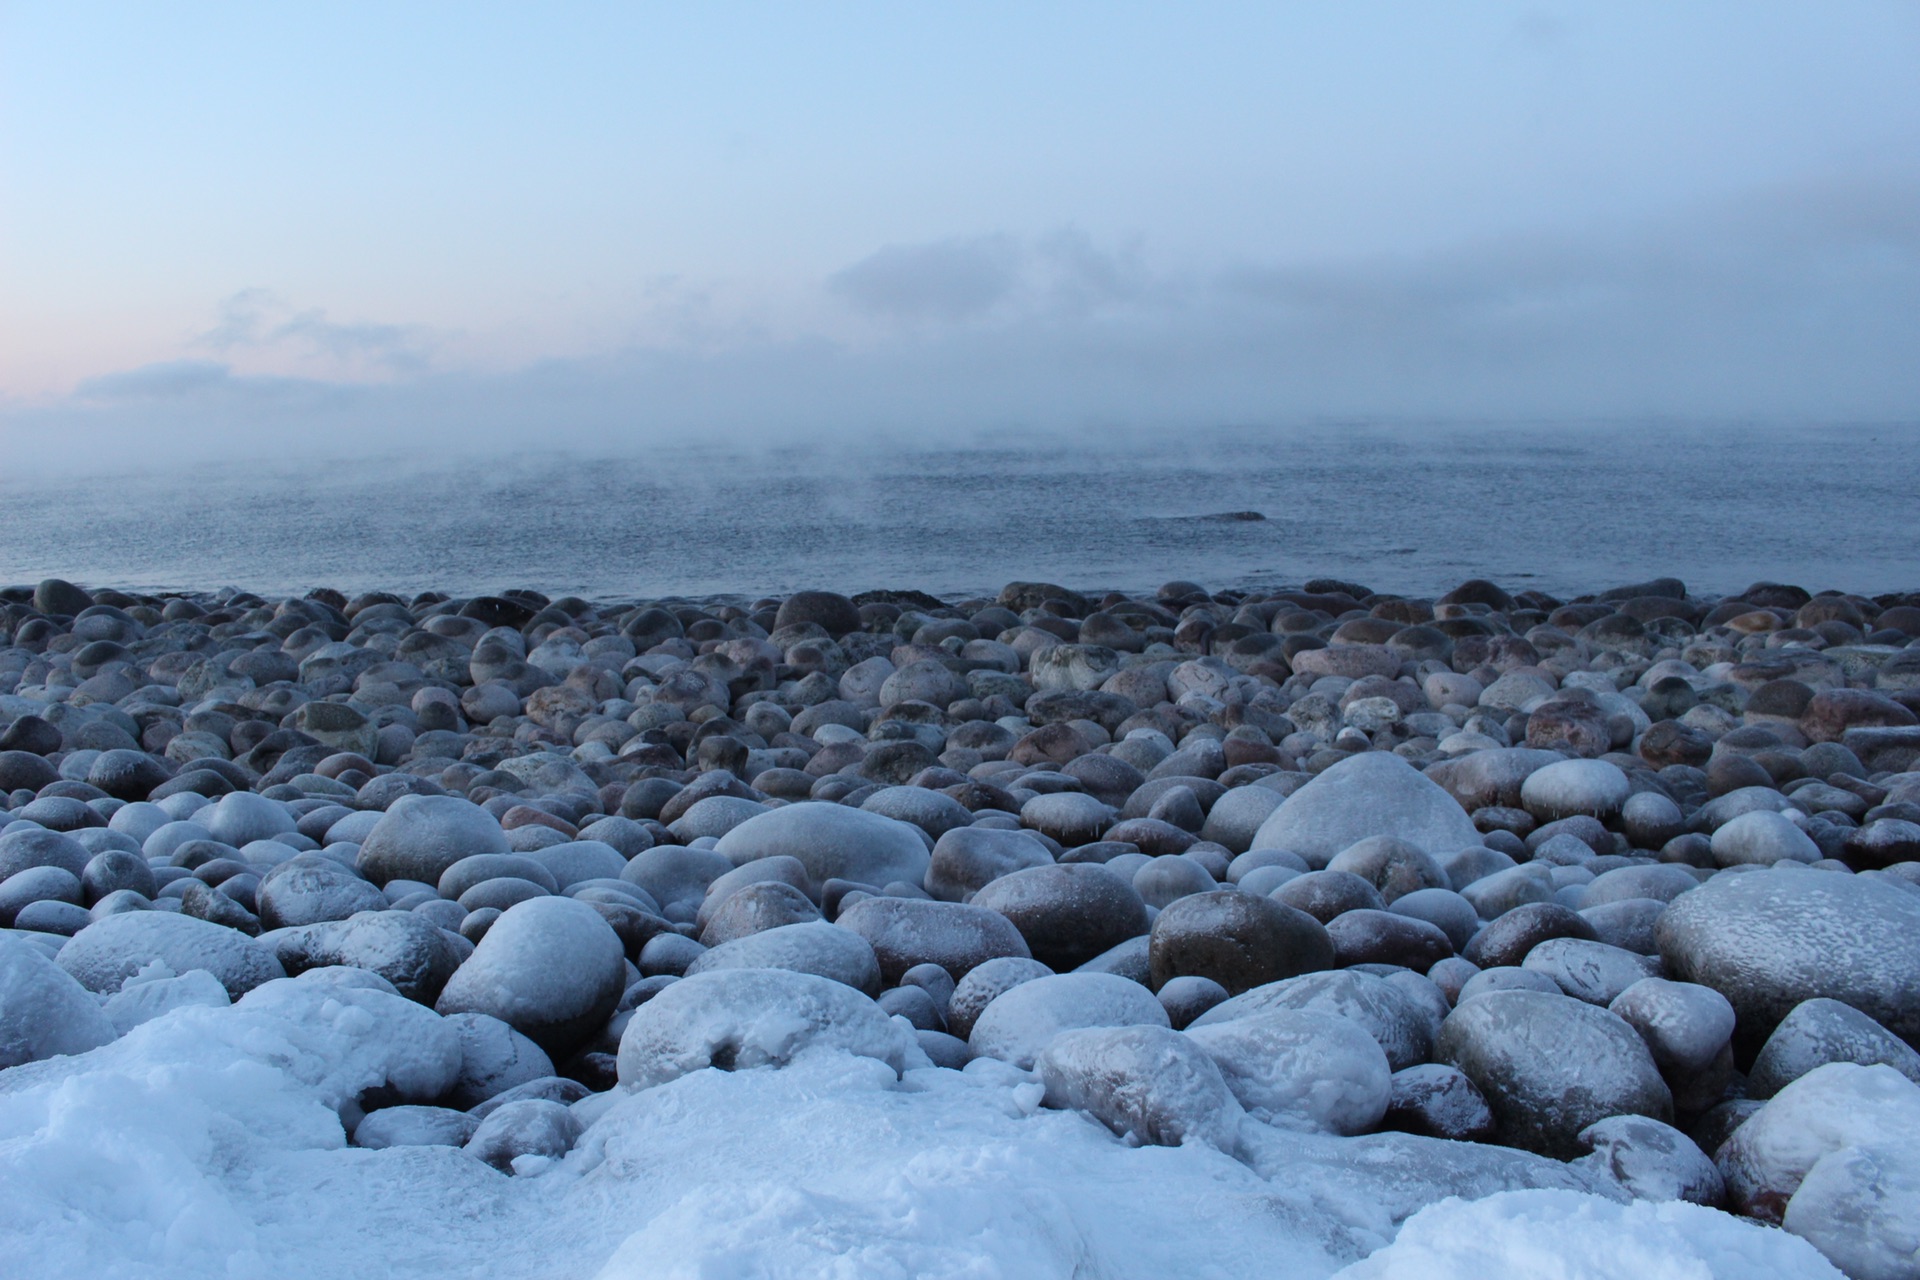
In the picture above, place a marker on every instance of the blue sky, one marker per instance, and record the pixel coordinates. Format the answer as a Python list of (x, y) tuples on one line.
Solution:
[(518, 223)]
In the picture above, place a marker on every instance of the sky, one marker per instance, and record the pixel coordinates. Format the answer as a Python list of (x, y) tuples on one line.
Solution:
[(251, 228)]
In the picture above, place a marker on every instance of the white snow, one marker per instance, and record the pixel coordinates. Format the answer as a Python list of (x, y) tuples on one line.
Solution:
[(208, 1142), (1562, 1235)]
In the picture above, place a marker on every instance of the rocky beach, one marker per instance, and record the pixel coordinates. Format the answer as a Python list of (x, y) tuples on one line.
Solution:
[(1397, 925)]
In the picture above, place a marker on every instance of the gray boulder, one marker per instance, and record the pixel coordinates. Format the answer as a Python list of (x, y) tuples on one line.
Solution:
[(421, 836), (1768, 940), (114, 948), (904, 932), (1375, 793), (832, 842), (817, 948), (1549, 1066), (1068, 912), (551, 968), (1820, 1031)]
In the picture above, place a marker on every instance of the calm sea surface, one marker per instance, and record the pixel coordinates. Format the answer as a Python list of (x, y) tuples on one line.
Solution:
[(1561, 509)]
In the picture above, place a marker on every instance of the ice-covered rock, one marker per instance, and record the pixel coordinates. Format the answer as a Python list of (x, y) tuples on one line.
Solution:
[(1542, 1232), (1829, 1109), (404, 1052), (403, 947), (529, 1127), (1820, 1031), (983, 984), (158, 991), (551, 968), (1689, 1030), (1590, 971), (414, 1126), (1023, 1020), (1651, 1160), (43, 1011), (736, 1019), (109, 951), (25, 846), (752, 908), (1568, 787), (310, 888), (1435, 1100), (493, 1059), (1858, 1206), (1385, 1012), (1301, 1068), (1148, 1084)]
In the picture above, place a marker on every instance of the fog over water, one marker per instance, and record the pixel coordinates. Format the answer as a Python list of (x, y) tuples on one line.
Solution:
[(1414, 510), (639, 299)]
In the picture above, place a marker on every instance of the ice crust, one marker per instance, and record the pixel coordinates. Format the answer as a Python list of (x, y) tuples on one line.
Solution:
[(209, 1141)]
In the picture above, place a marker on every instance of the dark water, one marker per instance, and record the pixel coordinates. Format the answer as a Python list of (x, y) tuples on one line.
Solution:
[(1562, 509)]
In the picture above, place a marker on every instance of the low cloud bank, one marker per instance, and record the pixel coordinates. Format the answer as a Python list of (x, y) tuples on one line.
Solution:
[(1804, 307)]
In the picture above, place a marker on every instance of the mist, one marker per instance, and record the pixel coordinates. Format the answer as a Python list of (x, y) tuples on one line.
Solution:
[(1793, 305)]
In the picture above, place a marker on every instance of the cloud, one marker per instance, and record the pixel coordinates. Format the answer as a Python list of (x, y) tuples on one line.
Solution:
[(1796, 306), (168, 380), (260, 320), (949, 280), (994, 278)]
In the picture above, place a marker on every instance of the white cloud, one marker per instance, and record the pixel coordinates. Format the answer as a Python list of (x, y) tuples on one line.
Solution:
[(256, 322)]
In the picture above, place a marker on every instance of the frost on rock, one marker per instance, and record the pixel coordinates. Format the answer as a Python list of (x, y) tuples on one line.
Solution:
[(529, 1127), (1550, 1065), (1301, 1068), (109, 951), (1652, 1161), (1768, 940), (1374, 793), (157, 990), (551, 968), (1022, 1021), (735, 1019), (1821, 1031), (1387, 1013), (832, 842), (399, 1051), (1830, 1108), (1861, 1207), (1151, 1085), (493, 1059), (43, 1011), (815, 947), (1558, 1233)]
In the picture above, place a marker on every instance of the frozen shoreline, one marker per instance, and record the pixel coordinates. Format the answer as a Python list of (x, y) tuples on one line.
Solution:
[(1037, 934)]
